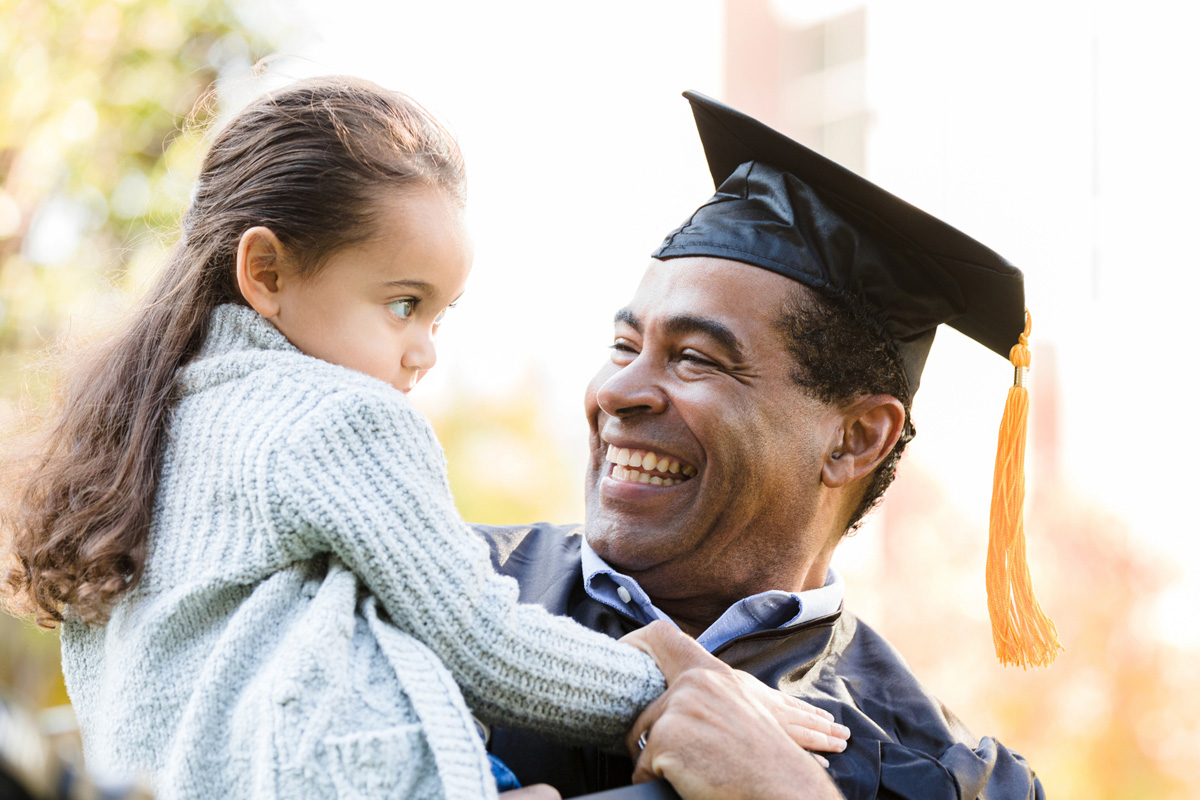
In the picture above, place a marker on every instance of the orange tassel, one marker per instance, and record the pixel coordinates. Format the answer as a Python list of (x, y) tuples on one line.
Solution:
[(1021, 631)]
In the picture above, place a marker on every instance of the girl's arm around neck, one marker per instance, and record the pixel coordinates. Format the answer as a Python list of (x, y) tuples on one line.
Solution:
[(363, 476)]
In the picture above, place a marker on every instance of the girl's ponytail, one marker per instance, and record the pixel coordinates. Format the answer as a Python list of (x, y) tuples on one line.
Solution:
[(309, 162), (82, 521)]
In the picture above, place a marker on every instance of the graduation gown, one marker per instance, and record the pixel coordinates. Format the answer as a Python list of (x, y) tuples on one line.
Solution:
[(904, 743)]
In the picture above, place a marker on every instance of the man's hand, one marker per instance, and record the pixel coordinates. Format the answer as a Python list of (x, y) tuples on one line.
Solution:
[(720, 733)]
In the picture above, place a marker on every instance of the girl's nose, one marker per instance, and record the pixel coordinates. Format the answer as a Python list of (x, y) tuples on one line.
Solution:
[(421, 352)]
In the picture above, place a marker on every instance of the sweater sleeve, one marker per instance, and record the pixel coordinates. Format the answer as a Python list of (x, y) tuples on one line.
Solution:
[(362, 475)]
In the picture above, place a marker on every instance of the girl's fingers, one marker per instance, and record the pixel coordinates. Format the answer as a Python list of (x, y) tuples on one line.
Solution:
[(796, 702), (808, 726), (814, 741), (672, 650), (810, 731), (675, 653)]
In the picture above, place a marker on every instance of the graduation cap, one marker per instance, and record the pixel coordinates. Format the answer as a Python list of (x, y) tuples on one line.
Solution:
[(785, 208)]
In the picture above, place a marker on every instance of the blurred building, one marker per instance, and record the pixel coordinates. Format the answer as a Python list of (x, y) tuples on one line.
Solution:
[(803, 73), (1055, 134)]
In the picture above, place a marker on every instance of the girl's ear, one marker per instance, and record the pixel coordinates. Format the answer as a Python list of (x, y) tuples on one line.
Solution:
[(871, 426), (260, 257)]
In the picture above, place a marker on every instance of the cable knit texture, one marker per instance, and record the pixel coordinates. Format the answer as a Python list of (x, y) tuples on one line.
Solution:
[(312, 598)]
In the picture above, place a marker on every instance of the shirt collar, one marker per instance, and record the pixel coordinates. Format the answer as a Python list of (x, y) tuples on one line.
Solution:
[(764, 611)]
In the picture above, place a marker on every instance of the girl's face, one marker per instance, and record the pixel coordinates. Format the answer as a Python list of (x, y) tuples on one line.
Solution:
[(376, 306)]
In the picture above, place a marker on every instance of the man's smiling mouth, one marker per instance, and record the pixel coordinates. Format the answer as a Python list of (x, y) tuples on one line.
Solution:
[(643, 466)]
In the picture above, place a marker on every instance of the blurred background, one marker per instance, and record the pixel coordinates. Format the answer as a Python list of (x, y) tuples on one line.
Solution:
[(1059, 132)]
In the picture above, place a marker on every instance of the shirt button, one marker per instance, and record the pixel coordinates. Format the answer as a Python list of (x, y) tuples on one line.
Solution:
[(623, 593)]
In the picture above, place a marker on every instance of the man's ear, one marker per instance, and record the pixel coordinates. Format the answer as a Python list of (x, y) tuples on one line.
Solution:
[(871, 426), (260, 260)]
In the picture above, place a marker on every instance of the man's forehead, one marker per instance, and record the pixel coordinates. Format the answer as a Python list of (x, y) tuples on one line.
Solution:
[(742, 297)]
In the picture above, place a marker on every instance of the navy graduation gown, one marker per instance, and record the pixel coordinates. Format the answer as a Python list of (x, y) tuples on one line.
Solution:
[(904, 743)]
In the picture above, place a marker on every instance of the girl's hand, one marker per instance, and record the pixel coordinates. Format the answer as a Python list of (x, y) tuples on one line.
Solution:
[(808, 726), (675, 653)]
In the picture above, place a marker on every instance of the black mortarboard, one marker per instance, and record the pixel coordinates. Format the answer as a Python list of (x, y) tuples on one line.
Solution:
[(783, 207)]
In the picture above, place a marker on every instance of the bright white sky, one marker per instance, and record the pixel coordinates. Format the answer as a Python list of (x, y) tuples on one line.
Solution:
[(1061, 133)]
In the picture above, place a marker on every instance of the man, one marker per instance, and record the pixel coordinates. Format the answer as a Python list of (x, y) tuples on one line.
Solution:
[(755, 406)]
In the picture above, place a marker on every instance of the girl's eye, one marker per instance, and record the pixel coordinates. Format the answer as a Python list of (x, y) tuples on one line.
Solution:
[(437, 320), (404, 307)]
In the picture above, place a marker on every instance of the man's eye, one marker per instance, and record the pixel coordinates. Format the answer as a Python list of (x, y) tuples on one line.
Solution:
[(621, 346), (404, 307), (697, 359)]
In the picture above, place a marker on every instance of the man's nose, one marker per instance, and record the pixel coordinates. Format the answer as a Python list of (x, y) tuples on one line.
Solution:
[(420, 352), (633, 389)]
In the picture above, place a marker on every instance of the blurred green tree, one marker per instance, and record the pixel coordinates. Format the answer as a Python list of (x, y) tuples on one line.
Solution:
[(93, 159), (506, 466), (94, 164)]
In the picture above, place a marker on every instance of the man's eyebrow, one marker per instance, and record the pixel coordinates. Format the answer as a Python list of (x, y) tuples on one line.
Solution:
[(719, 333), (627, 317), (682, 324)]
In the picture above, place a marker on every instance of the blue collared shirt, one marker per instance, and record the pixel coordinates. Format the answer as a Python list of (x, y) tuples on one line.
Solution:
[(761, 612)]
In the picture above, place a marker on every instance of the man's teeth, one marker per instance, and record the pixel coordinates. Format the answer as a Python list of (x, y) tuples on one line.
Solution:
[(636, 466), (634, 476)]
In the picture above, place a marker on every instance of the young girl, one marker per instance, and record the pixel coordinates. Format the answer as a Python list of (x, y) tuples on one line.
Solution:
[(246, 530)]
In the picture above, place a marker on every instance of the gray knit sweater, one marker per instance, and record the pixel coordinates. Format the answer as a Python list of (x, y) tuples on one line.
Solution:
[(311, 599)]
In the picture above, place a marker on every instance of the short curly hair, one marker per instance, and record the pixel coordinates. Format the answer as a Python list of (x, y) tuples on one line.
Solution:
[(841, 353)]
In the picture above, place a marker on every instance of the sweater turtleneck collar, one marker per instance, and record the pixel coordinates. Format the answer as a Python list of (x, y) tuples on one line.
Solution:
[(238, 340), (233, 328)]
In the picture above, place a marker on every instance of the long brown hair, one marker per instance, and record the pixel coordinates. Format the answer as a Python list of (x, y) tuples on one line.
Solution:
[(308, 162)]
